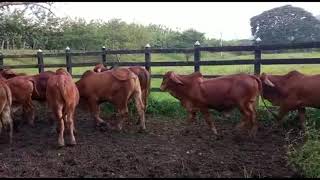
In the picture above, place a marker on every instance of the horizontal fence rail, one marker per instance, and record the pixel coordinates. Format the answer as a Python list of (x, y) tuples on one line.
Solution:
[(257, 61)]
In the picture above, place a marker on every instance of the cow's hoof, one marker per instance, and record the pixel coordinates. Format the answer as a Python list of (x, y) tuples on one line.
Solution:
[(100, 124), (61, 145), (72, 143), (143, 131), (218, 137)]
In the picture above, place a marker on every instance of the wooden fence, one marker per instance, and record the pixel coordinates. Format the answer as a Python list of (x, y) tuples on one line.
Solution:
[(148, 51)]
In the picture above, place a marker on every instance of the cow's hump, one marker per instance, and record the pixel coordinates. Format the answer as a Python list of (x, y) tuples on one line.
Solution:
[(122, 74)]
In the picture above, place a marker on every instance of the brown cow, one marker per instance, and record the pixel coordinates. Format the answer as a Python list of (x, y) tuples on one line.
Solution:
[(222, 94), (5, 109), (143, 75), (292, 91), (22, 88), (116, 86), (63, 96), (9, 73)]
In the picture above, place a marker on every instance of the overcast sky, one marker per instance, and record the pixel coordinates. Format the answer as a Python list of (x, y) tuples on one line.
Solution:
[(232, 19)]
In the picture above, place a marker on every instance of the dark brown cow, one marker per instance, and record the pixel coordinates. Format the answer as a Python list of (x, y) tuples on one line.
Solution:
[(143, 75), (292, 91), (63, 96), (222, 94), (5, 109), (115, 86)]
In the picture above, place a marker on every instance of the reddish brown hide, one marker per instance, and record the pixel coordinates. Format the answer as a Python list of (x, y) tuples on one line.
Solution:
[(62, 97), (143, 75), (5, 109), (292, 91), (116, 86), (222, 94)]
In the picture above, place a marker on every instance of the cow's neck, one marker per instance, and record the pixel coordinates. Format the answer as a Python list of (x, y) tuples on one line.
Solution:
[(186, 91)]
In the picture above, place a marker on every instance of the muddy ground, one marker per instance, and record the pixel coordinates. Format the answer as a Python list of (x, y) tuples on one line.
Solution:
[(168, 149)]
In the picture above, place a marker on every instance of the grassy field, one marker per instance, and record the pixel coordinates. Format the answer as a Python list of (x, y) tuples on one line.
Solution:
[(306, 157)]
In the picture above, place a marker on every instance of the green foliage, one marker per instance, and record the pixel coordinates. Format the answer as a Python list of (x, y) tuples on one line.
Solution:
[(18, 30), (285, 24), (307, 157)]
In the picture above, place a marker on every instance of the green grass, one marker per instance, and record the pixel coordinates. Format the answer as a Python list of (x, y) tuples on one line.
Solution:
[(306, 157)]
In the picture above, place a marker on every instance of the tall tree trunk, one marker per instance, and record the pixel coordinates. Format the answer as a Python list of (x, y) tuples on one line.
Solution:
[(8, 43), (24, 45), (13, 45), (2, 44)]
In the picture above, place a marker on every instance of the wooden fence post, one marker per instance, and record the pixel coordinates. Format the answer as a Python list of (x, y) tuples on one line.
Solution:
[(68, 60), (257, 60), (1, 60), (104, 55), (196, 57), (40, 61), (147, 57), (257, 64)]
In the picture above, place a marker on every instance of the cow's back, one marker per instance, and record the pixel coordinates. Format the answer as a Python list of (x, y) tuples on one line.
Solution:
[(61, 90), (41, 80), (143, 75), (103, 86), (225, 92)]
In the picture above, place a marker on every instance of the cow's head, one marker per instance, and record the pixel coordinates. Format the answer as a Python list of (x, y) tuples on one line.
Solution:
[(62, 71), (264, 79), (170, 79), (8, 73), (100, 68)]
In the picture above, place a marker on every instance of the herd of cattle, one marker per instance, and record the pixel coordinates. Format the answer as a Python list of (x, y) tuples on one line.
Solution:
[(293, 91)]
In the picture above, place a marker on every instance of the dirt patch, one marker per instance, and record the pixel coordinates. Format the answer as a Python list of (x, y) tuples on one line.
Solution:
[(168, 149)]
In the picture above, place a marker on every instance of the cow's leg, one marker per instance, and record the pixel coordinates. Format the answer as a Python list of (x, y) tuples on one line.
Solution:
[(61, 127), (191, 117), (254, 123), (208, 118), (123, 116), (282, 113), (141, 109), (6, 116), (95, 110), (29, 112), (302, 116), (246, 116), (70, 126), (145, 99)]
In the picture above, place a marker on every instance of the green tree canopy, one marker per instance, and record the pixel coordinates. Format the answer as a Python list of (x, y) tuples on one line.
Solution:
[(285, 24)]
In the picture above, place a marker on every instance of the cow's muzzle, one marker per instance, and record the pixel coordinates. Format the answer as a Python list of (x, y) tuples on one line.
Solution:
[(162, 88)]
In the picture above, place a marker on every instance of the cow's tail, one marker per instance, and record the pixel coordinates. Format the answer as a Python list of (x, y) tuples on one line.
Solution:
[(63, 92), (261, 95), (139, 102), (35, 90)]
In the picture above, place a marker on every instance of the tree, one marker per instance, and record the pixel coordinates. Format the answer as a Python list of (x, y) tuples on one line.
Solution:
[(188, 38), (285, 24)]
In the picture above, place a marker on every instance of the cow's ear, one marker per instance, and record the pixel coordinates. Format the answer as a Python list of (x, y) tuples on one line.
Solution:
[(175, 79), (266, 80)]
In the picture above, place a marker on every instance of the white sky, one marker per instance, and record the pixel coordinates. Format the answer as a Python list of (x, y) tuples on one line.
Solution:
[(232, 19)]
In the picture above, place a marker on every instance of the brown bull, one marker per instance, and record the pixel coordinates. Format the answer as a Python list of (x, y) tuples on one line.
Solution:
[(222, 94), (63, 96), (5, 109), (292, 91), (115, 86), (143, 75)]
